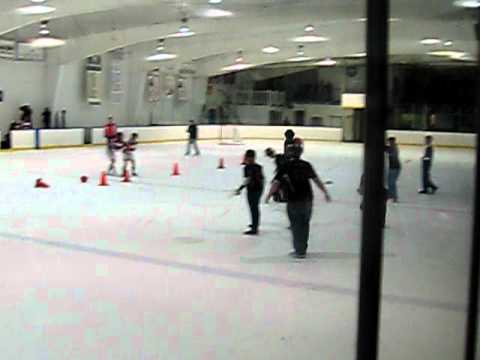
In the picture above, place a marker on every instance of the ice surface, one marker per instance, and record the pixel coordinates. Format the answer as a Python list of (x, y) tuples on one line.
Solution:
[(159, 268)]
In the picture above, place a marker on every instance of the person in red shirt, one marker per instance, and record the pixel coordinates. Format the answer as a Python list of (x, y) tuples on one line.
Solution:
[(111, 136), (116, 145)]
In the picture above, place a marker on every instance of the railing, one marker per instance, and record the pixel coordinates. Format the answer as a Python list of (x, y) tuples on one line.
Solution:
[(268, 98)]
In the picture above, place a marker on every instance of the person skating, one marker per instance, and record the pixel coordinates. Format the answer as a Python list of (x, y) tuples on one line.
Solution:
[(254, 182), (394, 168), (428, 186), (297, 173), (110, 133), (289, 137), (192, 138), (117, 145), (280, 160), (129, 154)]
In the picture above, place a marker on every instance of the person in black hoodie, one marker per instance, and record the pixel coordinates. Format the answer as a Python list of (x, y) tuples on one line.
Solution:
[(427, 161), (280, 161), (192, 138), (289, 136), (254, 182)]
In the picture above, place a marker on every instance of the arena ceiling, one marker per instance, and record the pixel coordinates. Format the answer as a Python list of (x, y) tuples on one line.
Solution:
[(97, 26)]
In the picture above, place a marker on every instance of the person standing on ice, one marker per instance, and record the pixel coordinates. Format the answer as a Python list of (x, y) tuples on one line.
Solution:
[(129, 154), (192, 138), (280, 161), (427, 159), (254, 182), (110, 133), (297, 174), (394, 168), (289, 137)]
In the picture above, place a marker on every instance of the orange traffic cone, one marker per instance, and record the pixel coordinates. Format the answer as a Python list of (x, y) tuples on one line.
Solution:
[(41, 184), (221, 164), (126, 176), (176, 170), (103, 179)]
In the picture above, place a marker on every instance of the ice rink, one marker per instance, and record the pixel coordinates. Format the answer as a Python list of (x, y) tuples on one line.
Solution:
[(159, 268)]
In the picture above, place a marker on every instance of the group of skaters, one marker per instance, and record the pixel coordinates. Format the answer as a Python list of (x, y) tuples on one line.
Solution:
[(292, 184), (116, 143)]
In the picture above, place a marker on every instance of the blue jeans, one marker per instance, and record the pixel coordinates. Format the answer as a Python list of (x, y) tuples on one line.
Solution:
[(393, 175), (299, 214)]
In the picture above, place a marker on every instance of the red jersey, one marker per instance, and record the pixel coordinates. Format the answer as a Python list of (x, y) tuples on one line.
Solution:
[(130, 146), (110, 130)]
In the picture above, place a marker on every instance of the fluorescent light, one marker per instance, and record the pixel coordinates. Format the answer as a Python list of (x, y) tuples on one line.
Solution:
[(215, 1), (217, 13), (430, 41), (299, 58), (309, 38), (326, 62), (309, 28), (365, 20), (181, 34), (270, 49), (358, 55), (237, 67), (161, 57), (468, 3), (447, 53), (47, 42), (448, 43), (35, 10)]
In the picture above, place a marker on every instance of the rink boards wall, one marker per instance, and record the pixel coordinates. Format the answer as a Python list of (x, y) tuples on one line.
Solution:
[(55, 138)]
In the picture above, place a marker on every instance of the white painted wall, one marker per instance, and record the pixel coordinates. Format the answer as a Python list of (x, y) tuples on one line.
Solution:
[(133, 110), (21, 82)]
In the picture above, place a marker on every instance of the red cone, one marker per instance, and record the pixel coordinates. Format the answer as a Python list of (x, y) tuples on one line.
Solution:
[(221, 164), (103, 179), (41, 184), (176, 170), (126, 177)]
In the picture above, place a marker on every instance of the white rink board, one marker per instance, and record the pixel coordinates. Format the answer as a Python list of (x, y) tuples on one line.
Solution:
[(61, 137), (22, 139), (440, 139)]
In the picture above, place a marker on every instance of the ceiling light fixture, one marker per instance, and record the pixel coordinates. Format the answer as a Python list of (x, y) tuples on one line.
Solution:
[(183, 31), (44, 40), (357, 55), (239, 64), (468, 3), (36, 8), (326, 62), (390, 20), (161, 55), (309, 28), (430, 41), (300, 55), (270, 49), (217, 13), (215, 1), (448, 43), (309, 36), (447, 53)]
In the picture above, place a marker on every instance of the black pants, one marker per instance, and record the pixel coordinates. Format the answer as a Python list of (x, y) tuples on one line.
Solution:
[(426, 176), (300, 214), (253, 198)]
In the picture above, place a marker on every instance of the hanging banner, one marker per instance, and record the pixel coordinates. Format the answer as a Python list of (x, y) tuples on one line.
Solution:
[(116, 81), (170, 85), (94, 80), (7, 49), (153, 86)]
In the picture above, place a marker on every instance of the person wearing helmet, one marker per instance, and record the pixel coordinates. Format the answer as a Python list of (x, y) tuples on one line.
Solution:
[(297, 174)]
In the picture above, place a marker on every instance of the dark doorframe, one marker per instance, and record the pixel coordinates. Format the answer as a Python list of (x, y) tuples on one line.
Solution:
[(372, 220), (472, 318)]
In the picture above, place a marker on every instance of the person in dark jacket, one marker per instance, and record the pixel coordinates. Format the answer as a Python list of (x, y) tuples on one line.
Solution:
[(289, 136), (280, 161), (297, 173), (254, 182), (428, 186), (192, 138), (394, 168), (47, 118)]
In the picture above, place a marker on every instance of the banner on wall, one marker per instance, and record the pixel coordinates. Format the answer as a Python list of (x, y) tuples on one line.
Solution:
[(153, 86), (7, 49), (116, 84), (94, 80), (26, 52), (170, 84)]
